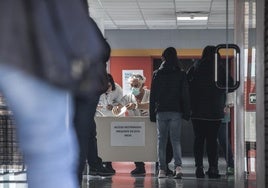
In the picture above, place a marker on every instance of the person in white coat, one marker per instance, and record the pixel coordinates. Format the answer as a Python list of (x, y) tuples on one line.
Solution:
[(110, 98), (136, 104), (107, 101)]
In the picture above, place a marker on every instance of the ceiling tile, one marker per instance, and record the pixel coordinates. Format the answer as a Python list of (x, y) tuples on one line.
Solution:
[(155, 14)]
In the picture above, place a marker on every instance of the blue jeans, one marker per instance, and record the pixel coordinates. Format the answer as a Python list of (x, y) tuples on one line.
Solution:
[(43, 116), (168, 123)]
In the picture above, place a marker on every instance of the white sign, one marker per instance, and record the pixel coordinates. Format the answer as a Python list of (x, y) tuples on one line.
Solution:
[(125, 76), (250, 126), (127, 134), (252, 98)]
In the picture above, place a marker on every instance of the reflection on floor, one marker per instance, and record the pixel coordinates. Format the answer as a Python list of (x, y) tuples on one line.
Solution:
[(126, 181), (123, 179)]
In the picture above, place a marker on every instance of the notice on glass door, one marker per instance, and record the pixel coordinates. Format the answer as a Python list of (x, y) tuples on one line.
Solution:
[(128, 134)]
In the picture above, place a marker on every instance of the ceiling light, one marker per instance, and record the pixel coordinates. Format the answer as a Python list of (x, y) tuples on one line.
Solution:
[(191, 18)]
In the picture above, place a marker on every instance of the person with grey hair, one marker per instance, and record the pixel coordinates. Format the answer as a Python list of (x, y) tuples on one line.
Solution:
[(137, 104)]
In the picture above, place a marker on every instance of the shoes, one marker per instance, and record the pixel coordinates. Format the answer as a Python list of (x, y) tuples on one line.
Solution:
[(109, 166), (101, 171), (213, 173), (178, 173), (199, 172), (162, 174), (169, 172), (230, 171), (138, 171)]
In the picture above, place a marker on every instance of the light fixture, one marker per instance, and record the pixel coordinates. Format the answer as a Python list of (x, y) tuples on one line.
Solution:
[(192, 18), (192, 15)]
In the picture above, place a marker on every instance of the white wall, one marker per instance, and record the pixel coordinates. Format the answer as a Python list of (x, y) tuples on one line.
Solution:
[(158, 39)]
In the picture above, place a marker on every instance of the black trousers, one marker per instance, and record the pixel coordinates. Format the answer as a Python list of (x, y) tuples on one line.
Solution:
[(205, 130), (85, 127)]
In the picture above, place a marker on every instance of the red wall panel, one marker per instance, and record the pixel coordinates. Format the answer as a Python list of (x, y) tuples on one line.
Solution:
[(249, 88)]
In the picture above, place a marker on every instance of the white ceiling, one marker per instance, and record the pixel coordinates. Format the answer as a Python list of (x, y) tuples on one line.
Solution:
[(160, 14)]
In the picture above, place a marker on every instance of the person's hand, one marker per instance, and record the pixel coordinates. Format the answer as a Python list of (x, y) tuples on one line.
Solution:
[(99, 107), (131, 106), (116, 110)]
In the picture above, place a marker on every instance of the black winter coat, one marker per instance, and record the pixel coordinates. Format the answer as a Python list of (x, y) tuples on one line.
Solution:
[(169, 92), (207, 101)]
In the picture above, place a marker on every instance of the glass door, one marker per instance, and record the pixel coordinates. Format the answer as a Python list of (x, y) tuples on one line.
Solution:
[(246, 36), (250, 87), (240, 60)]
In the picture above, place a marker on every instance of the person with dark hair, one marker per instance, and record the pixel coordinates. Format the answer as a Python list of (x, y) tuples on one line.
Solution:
[(169, 103), (207, 103), (110, 98), (137, 104), (107, 101)]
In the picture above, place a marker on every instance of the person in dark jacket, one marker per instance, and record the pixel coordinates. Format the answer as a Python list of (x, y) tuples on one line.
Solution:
[(169, 102), (85, 128), (207, 104), (44, 50)]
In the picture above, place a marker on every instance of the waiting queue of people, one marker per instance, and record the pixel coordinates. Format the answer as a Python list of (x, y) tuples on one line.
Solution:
[(174, 96), (34, 75)]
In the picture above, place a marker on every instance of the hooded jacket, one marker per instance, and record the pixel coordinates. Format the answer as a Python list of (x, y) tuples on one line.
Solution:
[(169, 88)]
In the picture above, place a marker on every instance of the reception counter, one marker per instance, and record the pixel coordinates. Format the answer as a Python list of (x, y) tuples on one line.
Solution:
[(126, 139)]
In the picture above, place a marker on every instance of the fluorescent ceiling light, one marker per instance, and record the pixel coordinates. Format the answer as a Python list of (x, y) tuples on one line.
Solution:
[(191, 18)]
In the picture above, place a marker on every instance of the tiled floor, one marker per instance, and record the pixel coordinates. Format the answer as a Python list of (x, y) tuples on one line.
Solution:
[(123, 179)]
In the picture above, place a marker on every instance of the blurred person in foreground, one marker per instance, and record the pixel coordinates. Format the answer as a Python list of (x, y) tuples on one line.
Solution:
[(48, 55), (169, 103), (137, 104)]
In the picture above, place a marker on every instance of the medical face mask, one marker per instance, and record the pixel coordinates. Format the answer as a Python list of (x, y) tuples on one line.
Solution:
[(135, 91)]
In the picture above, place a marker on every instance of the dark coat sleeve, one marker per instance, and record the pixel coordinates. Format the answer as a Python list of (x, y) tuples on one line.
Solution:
[(152, 111)]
